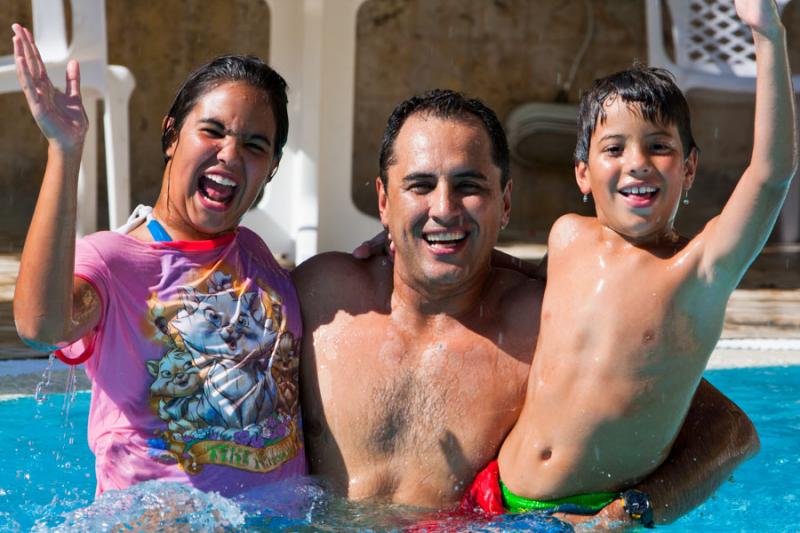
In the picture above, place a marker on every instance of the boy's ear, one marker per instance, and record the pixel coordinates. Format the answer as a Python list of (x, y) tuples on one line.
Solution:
[(689, 169), (582, 177), (383, 200)]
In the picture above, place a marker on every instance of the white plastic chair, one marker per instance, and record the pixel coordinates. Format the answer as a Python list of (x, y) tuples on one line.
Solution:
[(712, 48), (542, 132), (112, 84)]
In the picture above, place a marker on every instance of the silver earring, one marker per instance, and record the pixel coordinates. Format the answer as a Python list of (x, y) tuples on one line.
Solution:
[(686, 198), (586, 198)]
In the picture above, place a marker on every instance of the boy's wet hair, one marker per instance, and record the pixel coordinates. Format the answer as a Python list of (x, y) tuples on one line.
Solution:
[(224, 69), (445, 104), (651, 90)]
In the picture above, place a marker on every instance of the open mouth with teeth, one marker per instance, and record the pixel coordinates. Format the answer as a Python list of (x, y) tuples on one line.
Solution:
[(645, 192), (217, 189), (446, 240)]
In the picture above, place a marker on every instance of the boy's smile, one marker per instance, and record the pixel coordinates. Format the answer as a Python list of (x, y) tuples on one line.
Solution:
[(636, 172)]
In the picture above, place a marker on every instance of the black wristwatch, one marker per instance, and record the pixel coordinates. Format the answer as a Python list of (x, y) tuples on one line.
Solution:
[(638, 507)]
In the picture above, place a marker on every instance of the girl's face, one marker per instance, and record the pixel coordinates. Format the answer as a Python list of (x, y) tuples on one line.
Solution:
[(220, 160)]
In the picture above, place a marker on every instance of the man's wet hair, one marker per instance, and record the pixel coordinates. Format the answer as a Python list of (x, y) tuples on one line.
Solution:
[(651, 91), (445, 104)]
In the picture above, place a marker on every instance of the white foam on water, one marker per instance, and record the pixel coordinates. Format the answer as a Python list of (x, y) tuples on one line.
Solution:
[(759, 344), (153, 506)]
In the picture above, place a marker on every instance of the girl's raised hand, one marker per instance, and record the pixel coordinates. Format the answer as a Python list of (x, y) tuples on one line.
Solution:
[(761, 15), (60, 115)]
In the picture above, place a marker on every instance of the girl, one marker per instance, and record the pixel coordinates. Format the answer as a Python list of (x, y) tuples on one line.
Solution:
[(188, 327)]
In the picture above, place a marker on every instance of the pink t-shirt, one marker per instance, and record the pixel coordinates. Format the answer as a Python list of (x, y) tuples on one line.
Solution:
[(194, 364)]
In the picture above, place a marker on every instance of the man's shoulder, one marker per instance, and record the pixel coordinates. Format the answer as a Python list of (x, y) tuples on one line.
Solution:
[(516, 291), (340, 275), (335, 266)]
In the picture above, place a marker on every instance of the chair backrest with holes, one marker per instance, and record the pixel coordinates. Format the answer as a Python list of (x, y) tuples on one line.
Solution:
[(709, 37), (711, 47)]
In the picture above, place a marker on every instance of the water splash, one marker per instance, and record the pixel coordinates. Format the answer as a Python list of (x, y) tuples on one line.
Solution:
[(68, 436), (153, 506), (39, 394)]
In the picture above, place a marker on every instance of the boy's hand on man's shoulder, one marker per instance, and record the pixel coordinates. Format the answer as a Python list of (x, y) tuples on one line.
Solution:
[(380, 244)]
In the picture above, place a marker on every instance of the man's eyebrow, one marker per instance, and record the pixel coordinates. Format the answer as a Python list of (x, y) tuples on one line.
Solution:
[(217, 124), (470, 173), (419, 176), (466, 173)]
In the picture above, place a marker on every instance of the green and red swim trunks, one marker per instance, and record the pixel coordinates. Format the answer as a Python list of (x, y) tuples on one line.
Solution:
[(489, 494)]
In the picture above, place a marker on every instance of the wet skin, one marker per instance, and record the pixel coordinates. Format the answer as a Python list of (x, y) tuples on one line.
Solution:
[(445, 206), (412, 376), (607, 395), (229, 137), (628, 154)]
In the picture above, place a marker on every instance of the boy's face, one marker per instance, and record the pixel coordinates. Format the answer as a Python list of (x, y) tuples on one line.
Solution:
[(636, 173)]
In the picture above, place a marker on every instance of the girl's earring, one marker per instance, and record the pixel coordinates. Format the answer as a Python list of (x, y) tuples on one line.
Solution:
[(586, 198), (686, 197)]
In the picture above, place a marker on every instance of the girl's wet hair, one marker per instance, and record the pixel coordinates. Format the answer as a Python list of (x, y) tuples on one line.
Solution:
[(652, 91), (224, 69)]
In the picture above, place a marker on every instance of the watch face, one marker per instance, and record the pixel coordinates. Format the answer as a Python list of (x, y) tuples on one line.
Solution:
[(637, 505)]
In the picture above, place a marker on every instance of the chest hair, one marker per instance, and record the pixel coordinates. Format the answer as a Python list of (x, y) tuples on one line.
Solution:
[(407, 416)]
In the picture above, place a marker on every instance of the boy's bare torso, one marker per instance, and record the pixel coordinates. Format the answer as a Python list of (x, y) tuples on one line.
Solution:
[(408, 408), (625, 335)]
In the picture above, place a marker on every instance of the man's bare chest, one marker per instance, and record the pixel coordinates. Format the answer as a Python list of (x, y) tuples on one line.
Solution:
[(407, 395)]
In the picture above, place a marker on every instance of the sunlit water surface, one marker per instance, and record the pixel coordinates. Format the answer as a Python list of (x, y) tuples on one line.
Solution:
[(47, 480)]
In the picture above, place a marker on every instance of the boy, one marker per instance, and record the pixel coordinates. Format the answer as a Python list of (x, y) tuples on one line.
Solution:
[(632, 311)]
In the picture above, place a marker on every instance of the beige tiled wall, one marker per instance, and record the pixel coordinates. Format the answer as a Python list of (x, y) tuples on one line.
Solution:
[(509, 52), (161, 42), (506, 52)]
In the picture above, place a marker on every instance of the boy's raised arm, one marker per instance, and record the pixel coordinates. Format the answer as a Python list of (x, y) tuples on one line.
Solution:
[(50, 307), (734, 239)]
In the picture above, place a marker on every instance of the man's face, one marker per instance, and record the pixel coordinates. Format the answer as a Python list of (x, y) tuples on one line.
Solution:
[(443, 203)]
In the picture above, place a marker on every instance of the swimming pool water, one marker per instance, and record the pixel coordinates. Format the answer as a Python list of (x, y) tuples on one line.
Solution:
[(764, 493), (47, 473)]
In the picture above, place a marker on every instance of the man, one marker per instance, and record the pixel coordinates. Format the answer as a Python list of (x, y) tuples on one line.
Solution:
[(414, 372)]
